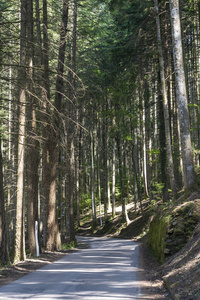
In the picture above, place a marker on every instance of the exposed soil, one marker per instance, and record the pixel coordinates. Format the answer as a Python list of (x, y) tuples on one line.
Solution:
[(181, 272), (152, 283)]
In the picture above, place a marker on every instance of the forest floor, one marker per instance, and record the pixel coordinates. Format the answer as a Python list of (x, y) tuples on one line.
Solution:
[(177, 278)]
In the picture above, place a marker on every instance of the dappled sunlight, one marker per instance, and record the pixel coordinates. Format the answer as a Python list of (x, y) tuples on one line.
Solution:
[(107, 270)]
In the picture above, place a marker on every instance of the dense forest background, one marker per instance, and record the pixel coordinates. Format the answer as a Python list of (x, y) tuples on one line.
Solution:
[(99, 105)]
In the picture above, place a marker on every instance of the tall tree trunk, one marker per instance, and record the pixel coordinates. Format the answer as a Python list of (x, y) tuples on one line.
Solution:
[(165, 105), (178, 166), (99, 165), (71, 173), (137, 184), (108, 107), (104, 167), (4, 256), (71, 133), (50, 150), (19, 227), (93, 181), (198, 73), (135, 168), (32, 153), (79, 157), (123, 201), (40, 201), (163, 157), (113, 179), (61, 61), (146, 193), (108, 173), (155, 126), (38, 32), (10, 202), (53, 234), (183, 115), (46, 112), (77, 167)]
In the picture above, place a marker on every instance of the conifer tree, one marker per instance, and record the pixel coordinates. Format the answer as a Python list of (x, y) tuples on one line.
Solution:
[(181, 92)]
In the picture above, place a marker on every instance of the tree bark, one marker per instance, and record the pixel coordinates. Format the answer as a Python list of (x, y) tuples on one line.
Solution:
[(50, 151), (71, 173), (71, 133), (123, 201), (93, 181), (183, 115), (32, 153), (10, 217), (99, 165), (165, 105), (53, 234), (4, 256), (146, 193), (113, 180), (19, 253)]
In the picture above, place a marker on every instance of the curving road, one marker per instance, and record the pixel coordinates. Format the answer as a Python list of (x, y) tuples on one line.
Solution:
[(107, 270)]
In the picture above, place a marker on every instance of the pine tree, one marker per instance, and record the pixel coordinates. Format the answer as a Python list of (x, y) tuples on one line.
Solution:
[(183, 114)]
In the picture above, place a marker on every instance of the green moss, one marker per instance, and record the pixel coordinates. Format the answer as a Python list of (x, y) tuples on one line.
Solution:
[(156, 236), (171, 229)]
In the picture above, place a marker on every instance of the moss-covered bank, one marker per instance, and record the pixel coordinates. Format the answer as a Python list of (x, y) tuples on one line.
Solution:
[(172, 227), (156, 236)]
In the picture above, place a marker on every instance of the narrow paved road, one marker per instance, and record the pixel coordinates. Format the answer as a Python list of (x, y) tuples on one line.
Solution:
[(107, 270)]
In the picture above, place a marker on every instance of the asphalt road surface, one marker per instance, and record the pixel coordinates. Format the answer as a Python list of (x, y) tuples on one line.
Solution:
[(107, 270)]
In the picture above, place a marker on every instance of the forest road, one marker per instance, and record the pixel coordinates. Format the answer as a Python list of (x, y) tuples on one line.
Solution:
[(106, 270)]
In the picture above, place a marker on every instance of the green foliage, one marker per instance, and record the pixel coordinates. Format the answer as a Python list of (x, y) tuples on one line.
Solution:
[(130, 20), (70, 245), (86, 201), (157, 190), (153, 205), (117, 193)]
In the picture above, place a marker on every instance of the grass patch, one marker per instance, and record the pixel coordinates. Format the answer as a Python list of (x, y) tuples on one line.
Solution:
[(71, 245)]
